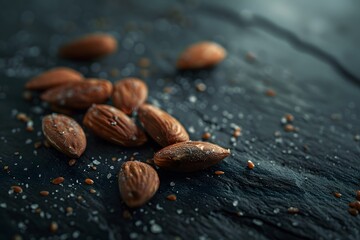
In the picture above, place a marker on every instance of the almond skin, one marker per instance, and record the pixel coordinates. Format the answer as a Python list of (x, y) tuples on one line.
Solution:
[(161, 126), (64, 134), (53, 78), (89, 47), (79, 95), (114, 126), (190, 156), (138, 183), (201, 55), (129, 94)]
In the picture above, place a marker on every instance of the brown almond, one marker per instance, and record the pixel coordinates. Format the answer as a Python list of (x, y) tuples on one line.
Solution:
[(161, 126), (129, 94), (64, 134), (79, 95), (53, 78), (190, 156), (89, 47), (201, 55), (138, 182), (113, 125)]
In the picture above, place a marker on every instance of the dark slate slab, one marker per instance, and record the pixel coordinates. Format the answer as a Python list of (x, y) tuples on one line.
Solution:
[(312, 68)]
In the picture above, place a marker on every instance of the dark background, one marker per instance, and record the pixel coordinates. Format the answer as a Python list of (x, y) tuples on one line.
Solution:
[(307, 51)]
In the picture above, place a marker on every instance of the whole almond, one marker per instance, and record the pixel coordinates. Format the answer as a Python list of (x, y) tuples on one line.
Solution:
[(64, 134), (190, 156), (79, 95), (161, 126), (53, 78), (114, 126), (129, 94), (201, 55), (138, 183), (89, 47)]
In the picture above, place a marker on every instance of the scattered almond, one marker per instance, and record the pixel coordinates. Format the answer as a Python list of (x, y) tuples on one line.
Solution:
[(201, 55), (129, 94), (89, 47), (161, 126), (138, 182), (54, 78), (80, 95), (190, 156), (64, 134), (113, 125)]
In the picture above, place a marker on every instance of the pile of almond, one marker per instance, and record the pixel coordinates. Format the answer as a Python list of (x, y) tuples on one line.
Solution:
[(67, 90)]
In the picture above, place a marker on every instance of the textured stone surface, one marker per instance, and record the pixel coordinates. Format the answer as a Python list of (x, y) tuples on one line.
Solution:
[(306, 52)]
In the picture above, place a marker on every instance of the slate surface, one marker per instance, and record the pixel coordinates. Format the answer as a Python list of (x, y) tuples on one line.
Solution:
[(305, 51)]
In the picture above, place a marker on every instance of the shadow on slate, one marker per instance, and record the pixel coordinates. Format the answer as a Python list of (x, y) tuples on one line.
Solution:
[(240, 204)]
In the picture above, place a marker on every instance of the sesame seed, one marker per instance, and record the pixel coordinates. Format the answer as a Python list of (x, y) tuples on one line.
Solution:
[(44, 193), (89, 181), (250, 164), (69, 210), (17, 189), (92, 191), (171, 197), (53, 227), (72, 162), (200, 87), (293, 210), (354, 212), (206, 136), (270, 93), (289, 128), (57, 180), (219, 172), (144, 62), (337, 194), (289, 117)]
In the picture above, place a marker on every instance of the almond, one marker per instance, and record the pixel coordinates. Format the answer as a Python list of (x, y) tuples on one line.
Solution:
[(161, 126), (53, 78), (190, 156), (201, 55), (129, 94), (79, 95), (64, 134), (89, 47), (138, 183), (113, 125)]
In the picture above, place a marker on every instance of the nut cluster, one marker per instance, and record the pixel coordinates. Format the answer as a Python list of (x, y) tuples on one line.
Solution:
[(67, 90)]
